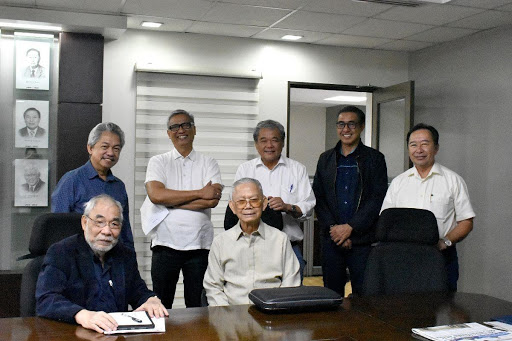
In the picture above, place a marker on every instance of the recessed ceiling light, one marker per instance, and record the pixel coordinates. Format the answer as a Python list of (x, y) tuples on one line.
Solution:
[(36, 35), (291, 37), (346, 99), (151, 24), (30, 26)]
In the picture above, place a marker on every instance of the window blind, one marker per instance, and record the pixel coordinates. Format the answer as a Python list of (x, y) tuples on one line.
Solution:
[(225, 111)]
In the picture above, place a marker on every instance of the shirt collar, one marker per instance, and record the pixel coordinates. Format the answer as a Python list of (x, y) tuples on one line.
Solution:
[(282, 161), (92, 173), (239, 233), (354, 151), (436, 169), (176, 155)]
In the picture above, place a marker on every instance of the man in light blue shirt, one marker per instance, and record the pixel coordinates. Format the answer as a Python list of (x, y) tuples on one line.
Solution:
[(79, 185)]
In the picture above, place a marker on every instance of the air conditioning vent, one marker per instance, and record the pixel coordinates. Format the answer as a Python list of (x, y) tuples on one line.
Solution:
[(404, 3)]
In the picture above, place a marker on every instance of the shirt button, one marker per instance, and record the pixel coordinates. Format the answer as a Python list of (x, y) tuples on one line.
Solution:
[(346, 187), (345, 202)]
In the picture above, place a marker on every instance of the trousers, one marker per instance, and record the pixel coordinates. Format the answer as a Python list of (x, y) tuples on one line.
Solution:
[(166, 264), (336, 260)]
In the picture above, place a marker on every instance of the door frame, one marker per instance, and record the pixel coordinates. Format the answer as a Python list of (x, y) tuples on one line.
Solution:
[(392, 93), (320, 86)]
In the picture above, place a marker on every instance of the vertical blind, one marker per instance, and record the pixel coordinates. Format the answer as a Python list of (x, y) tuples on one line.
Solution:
[(225, 111)]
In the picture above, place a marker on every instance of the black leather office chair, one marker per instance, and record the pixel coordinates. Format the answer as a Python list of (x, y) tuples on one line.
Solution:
[(269, 216), (48, 229), (406, 258)]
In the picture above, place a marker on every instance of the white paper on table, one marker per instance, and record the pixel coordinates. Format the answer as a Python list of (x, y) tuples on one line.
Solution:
[(500, 325), (151, 215), (462, 332), (159, 328)]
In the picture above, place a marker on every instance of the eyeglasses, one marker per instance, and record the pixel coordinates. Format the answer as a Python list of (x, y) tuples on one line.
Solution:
[(114, 224), (351, 124), (254, 202), (186, 126)]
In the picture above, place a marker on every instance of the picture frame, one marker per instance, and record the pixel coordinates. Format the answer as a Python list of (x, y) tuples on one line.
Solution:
[(31, 124), (32, 65), (30, 182)]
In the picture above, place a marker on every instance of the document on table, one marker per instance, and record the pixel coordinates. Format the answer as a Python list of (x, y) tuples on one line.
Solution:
[(503, 322), (463, 332), (137, 322), (500, 325)]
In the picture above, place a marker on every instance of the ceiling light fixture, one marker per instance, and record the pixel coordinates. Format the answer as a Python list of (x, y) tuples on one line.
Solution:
[(291, 37), (35, 35), (151, 24), (34, 27), (346, 98)]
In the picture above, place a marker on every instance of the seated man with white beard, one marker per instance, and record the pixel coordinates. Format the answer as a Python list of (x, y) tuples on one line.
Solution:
[(86, 276)]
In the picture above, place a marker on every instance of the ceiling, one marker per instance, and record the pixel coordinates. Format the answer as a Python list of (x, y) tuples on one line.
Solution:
[(325, 22), (316, 97)]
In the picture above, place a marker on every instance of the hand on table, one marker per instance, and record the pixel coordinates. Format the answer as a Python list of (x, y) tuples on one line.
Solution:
[(154, 307), (96, 320)]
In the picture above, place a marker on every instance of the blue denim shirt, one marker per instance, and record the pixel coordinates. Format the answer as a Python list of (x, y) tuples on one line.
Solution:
[(346, 186), (104, 299), (79, 185)]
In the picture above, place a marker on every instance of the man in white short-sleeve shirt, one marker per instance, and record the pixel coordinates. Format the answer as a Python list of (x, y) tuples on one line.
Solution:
[(431, 186), (285, 182), (189, 185)]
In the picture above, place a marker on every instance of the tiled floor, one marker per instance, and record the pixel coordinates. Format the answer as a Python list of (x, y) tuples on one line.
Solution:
[(318, 281)]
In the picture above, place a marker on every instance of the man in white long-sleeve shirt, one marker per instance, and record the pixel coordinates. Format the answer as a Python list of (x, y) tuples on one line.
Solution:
[(251, 254)]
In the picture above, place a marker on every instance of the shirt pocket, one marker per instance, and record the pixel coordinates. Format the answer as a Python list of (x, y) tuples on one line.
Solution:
[(289, 191), (441, 206)]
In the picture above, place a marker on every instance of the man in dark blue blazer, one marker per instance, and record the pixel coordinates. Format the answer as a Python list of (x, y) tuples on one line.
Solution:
[(84, 277)]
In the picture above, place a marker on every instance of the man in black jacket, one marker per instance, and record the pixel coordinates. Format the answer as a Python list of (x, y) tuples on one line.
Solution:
[(350, 185), (86, 276)]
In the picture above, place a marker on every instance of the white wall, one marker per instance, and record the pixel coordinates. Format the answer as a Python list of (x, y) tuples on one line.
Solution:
[(279, 63), (307, 135), (464, 89)]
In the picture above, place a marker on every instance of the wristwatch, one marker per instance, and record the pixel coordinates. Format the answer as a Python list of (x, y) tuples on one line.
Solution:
[(447, 242), (294, 210)]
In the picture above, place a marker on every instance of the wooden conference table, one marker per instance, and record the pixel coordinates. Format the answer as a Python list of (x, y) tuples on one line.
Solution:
[(370, 318)]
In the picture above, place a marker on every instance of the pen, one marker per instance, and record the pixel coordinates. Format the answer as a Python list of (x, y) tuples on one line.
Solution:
[(132, 317)]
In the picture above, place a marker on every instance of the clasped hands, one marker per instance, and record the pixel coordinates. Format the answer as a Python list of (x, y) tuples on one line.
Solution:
[(277, 204), (340, 235)]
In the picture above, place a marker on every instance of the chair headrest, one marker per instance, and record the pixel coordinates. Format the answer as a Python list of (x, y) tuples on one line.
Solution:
[(50, 228), (407, 225)]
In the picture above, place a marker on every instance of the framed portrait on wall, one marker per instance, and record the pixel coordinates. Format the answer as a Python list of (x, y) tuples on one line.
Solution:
[(31, 124), (30, 182), (32, 65)]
